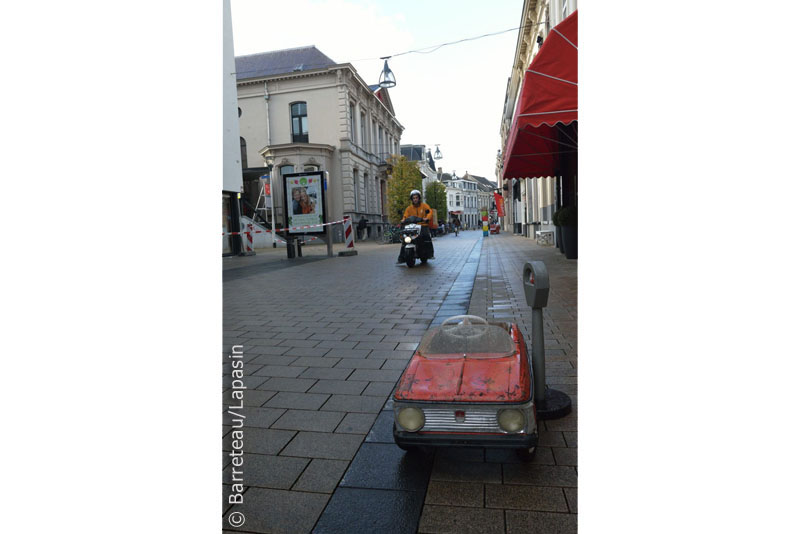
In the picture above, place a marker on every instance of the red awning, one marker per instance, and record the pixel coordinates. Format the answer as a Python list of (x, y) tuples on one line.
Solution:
[(548, 101)]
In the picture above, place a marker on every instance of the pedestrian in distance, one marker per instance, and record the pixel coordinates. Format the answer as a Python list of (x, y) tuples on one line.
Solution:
[(362, 228)]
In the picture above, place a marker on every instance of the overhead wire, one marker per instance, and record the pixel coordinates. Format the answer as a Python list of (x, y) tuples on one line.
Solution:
[(424, 50), (434, 48)]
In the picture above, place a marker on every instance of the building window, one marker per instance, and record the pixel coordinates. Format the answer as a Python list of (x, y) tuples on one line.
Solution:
[(362, 193), (383, 198), (287, 169), (243, 149), (352, 123), (299, 123), (310, 168), (364, 140), (356, 199)]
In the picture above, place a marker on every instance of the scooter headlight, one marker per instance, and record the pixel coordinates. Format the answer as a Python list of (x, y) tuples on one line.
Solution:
[(411, 419), (511, 420), (408, 239)]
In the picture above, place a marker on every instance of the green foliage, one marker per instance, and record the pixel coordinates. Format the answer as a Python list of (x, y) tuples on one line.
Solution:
[(436, 197), (405, 177), (566, 216), (557, 217)]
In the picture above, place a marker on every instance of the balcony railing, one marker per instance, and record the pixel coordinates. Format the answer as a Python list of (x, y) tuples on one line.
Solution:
[(377, 159)]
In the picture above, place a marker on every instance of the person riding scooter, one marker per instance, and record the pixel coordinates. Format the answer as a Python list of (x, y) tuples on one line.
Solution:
[(423, 211)]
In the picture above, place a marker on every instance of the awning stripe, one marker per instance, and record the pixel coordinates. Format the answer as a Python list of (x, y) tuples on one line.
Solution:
[(565, 38), (551, 77), (543, 153), (547, 112), (528, 131)]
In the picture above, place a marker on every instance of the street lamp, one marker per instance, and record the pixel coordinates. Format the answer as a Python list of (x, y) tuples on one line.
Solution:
[(386, 79), (438, 153)]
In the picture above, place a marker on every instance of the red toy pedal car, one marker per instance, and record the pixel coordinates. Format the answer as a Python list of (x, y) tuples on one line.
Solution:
[(468, 384), (494, 228)]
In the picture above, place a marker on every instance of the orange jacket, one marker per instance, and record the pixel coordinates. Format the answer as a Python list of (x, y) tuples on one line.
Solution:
[(419, 212)]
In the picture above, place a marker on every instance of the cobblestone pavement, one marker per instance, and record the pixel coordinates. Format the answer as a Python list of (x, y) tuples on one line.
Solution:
[(325, 340)]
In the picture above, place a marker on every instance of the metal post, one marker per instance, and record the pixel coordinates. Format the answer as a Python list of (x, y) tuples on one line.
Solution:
[(329, 228), (289, 247), (271, 198), (550, 403), (537, 347)]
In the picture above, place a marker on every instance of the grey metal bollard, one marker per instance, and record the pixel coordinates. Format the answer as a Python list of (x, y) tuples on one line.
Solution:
[(290, 250), (550, 403)]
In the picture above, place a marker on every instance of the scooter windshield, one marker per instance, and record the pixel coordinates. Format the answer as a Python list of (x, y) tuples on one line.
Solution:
[(467, 341)]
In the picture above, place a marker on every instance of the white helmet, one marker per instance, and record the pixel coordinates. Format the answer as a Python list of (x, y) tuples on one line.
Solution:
[(414, 192)]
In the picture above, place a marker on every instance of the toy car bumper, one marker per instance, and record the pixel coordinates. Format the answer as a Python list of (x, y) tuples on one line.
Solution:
[(436, 439)]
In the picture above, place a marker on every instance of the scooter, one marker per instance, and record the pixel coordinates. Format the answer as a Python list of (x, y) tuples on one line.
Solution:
[(415, 246)]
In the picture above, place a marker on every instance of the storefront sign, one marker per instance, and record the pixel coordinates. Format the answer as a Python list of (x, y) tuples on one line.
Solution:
[(498, 202), (265, 181)]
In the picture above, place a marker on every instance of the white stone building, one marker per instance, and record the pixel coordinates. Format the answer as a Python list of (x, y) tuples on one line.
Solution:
[(301, 111), (463, 199), (486, 189)]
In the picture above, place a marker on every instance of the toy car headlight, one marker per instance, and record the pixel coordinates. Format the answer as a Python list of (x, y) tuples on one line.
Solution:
[(511, 420), (410, 419), (408, 239)]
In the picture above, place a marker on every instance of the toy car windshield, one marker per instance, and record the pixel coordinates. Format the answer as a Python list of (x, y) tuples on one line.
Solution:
[(462, 340)]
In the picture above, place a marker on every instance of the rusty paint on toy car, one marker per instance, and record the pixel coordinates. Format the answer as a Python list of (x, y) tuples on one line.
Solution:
[(468, 377)]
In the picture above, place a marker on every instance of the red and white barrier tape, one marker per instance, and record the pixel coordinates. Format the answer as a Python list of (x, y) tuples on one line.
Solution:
[(284, 229), (250, 237), (348, 232)]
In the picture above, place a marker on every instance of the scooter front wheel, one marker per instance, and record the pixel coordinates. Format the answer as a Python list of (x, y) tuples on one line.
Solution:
[(410, 261)]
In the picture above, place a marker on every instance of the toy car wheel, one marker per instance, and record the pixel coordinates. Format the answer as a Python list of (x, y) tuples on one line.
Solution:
[(417, 450), (526, 455)]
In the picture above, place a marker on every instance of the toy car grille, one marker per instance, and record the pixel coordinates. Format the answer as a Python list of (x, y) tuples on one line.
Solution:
[(475, 420)]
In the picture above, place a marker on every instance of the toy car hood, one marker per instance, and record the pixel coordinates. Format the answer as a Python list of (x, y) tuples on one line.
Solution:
[(467, 363)]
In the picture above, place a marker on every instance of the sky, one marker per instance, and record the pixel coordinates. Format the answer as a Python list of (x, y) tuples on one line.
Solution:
[(452, 97)]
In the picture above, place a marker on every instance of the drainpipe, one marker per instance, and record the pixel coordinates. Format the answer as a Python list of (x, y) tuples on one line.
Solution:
[(271, 185), (266, 107)]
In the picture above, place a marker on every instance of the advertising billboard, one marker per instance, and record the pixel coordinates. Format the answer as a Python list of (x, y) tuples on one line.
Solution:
[(305, 202)]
